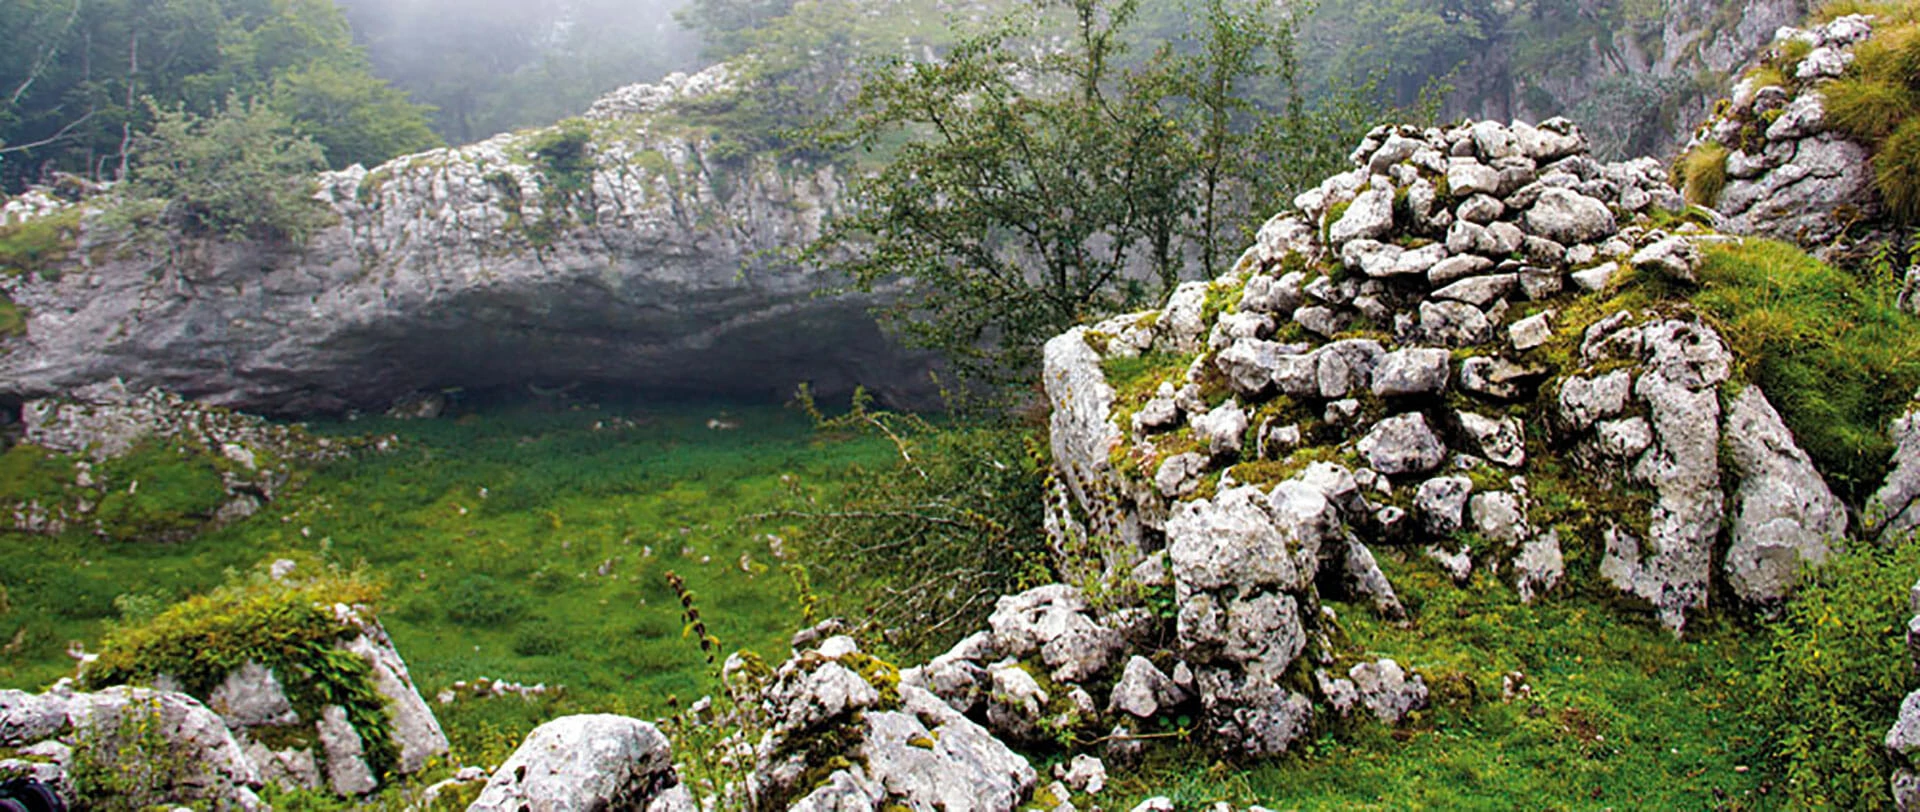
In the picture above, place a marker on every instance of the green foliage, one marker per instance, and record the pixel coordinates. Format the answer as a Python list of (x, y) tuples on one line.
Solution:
[(922, 547), (565, 154), (1832, 353), (40, 245), (1833, 682), (1037, 192), (242, 172), (13, 318), (285, 625), (1619, 714), (1702, 173), (355, 117), (76, 73)]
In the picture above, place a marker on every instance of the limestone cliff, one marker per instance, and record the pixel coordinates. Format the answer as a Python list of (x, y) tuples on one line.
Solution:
[(648, 264)]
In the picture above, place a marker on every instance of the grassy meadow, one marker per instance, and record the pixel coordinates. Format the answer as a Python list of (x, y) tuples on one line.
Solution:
[(523, 542)]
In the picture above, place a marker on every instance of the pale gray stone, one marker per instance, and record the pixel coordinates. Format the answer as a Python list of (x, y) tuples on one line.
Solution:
[(1453, 324), (1456, 267), (1569, 217), (1784, 517), (1402, 444), (1055, 621), (1388, 691), (1221, 430), (1441, 503), (1531, 331), (1501, 440), (1412, 371), (1368, 217), (1586, 400), (1478, 291)]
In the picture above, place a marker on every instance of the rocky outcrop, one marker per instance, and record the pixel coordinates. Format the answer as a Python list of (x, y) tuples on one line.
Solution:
[(1399, 372), (329, 752), (316, 723), (242, 462), (896, 744), (1787, 174), (596, 761), (166, 746), (478, 266), (1903, 741), (1632, 75)]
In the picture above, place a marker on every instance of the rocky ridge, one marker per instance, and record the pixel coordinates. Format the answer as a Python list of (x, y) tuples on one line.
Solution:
[(491, 264), (1787, 173)]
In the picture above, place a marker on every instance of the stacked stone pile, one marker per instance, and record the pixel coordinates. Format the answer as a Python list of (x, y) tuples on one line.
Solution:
[(1388, 366)]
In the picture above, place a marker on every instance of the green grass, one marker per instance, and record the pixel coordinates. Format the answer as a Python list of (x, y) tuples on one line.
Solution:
[(1621, 715), (519, 509), (1833, 354), (39, 246), (1868, 109), (13, 318)]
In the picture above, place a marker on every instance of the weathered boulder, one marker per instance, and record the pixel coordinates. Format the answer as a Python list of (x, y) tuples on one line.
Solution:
[(1783, 517), (592, 761), (180, 750)]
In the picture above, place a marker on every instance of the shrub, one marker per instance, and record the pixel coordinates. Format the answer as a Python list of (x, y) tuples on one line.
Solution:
[(926, 545), (242, 172), (1832, 685), (1703, 173), (1867, 109), (285, 625), (1896, 172), (39, 246)]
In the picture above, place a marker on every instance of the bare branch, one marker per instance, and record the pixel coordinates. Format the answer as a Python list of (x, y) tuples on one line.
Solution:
[(49, 139)]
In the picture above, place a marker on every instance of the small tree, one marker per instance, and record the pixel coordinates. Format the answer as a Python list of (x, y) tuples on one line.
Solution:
[(1029, 196), (1034, 185), (242, 172)]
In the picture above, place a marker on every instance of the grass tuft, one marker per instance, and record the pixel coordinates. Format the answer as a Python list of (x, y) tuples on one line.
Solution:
[(1868, 109), (1896, 172), (1703, 173)]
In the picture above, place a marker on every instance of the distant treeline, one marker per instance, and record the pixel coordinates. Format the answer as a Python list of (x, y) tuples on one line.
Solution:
[(82, 80)]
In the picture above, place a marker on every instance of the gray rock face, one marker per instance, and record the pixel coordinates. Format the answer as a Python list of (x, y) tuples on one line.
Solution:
[(201, 761), (1388, 691), (434, 277), (1685, 362), (594, 761), (1369, 216), (1143, 690), (1412, 371), (1783, 516), (1054, 621), (965, 770), (1893, 511)]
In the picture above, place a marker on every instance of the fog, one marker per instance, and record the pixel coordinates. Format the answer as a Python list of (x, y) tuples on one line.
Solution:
[(497, 65)]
